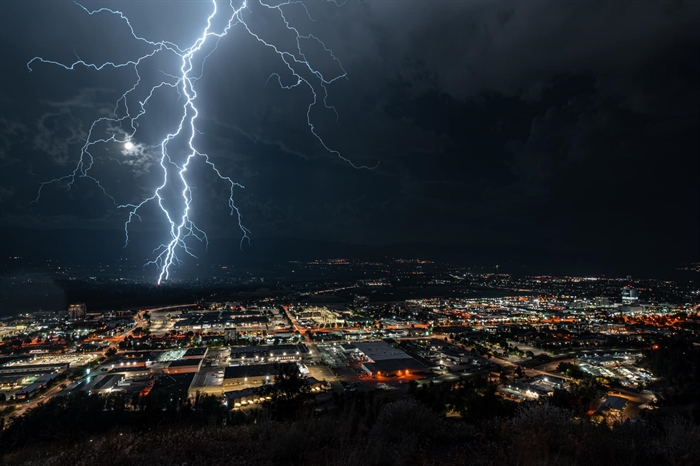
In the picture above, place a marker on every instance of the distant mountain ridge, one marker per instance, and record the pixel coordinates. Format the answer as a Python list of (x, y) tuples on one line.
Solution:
[(92, 247)]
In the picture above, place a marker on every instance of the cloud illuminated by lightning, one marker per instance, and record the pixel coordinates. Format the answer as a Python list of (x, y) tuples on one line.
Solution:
[(181, 227)]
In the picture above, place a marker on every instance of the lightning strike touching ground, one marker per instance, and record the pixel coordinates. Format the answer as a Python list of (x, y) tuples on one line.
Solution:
[(175, 170)]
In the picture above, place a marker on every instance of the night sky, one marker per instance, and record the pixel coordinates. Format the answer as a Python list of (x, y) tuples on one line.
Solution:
[(567, 127)]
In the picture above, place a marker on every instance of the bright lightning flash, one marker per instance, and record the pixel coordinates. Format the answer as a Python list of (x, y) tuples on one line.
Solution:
[(175, 166)]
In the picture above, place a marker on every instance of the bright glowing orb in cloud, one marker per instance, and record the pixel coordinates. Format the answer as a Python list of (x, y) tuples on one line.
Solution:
[(128, 145)]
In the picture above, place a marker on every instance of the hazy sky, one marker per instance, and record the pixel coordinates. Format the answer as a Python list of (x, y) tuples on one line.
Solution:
[(563, 125)]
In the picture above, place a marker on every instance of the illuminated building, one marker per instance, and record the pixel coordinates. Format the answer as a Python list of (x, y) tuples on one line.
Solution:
[(77, 311), (629, 295)]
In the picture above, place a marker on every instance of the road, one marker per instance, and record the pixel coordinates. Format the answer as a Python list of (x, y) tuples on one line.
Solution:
[(24, 406), (296, 326), (317, 371), (141, 323)]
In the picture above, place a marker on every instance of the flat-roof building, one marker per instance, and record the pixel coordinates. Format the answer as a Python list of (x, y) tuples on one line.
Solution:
[(270, 353), (184, 366), (384, 359), (251, 376), (195, 353), (236, 398), (34, 368)]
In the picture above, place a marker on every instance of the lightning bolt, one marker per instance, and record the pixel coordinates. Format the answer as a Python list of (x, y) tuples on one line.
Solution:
[(180, 226)]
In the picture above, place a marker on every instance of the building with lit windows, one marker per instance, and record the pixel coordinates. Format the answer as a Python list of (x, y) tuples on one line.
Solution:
[(77, 311), (629, 295)]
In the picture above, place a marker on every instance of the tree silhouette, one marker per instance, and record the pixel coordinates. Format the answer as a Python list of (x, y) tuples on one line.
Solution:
[(288, 394)]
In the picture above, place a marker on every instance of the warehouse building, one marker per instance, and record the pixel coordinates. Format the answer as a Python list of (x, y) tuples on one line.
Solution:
[(250, 376), (380, 358), (184, 366)]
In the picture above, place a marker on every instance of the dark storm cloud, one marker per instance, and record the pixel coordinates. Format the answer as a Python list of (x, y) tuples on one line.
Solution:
[(515, 47), (522, 123)]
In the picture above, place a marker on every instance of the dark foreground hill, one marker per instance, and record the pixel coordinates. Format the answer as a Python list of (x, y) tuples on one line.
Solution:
[(403, 432)]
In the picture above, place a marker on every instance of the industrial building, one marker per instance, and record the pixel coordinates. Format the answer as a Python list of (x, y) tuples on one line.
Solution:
[(219, 321), (245, 396), (380, 358), (184, 366), (269, 353), (250, 376)]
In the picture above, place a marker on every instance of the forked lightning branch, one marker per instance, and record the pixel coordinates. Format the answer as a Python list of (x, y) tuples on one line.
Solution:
[(183, 90)]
